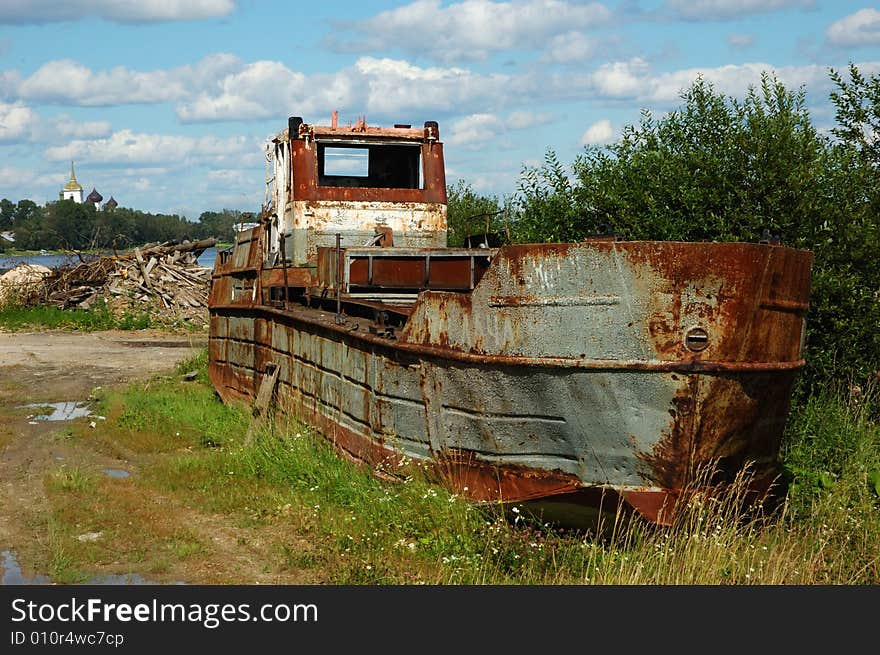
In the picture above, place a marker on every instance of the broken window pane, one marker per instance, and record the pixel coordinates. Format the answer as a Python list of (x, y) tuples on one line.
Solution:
[(383, 166)]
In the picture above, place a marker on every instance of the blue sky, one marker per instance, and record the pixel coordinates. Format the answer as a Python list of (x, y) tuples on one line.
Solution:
[(166, 104)]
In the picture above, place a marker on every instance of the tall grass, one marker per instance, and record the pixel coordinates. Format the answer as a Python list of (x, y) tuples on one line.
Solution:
[(364, 530)]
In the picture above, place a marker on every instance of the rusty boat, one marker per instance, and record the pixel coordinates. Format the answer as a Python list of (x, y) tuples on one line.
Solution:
[(562, 377)]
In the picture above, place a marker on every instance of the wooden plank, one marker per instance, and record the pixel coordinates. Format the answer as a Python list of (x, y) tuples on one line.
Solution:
[(140, 261), (267, 388)]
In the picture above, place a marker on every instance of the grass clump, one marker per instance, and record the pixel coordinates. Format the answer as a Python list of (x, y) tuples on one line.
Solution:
[(15, 317)]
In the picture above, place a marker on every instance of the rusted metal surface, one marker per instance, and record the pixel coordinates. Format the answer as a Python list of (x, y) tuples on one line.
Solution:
[(558, 375), (457, 269)]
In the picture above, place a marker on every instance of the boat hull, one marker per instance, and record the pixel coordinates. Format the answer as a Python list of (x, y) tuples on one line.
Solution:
[(571, 375), (585, 437)]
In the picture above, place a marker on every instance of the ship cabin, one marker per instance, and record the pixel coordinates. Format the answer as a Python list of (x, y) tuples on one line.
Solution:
[(355, 216)]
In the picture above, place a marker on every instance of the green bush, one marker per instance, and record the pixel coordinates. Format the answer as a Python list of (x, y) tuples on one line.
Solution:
[(718, 168)]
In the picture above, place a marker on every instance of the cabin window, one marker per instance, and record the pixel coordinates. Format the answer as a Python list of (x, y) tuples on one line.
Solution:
[(381, 166)]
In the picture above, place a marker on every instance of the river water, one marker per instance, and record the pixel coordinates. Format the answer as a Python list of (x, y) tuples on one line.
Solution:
[(53, 261)]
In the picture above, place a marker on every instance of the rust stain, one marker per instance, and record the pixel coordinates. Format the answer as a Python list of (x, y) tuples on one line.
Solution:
[(719, 424)]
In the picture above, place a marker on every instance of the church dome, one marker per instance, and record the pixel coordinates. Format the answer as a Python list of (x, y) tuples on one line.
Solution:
[(94, 196), (72, 185)]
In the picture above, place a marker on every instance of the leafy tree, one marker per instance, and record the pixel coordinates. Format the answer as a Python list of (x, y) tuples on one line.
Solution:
[(469, 213), (547, 207), (716, 168), (857, 105), (69, 225), (218, 224), (7, 213)]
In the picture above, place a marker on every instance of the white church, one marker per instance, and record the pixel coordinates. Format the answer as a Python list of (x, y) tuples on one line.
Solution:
[(73, 191)]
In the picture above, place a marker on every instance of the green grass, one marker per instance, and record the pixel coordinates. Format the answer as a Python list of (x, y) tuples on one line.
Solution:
[(340, 521), (100, 317)]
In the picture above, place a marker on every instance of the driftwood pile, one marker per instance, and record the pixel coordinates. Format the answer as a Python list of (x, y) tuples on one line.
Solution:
[(164, 280)]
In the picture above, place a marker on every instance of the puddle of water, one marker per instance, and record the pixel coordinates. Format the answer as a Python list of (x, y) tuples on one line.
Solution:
[(12, 571), (12, 575), (64, 411), (115, 473)]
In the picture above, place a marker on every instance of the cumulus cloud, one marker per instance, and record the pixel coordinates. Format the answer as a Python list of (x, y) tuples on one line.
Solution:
[(858, 29), (471, 29), (66, 127), (222, 88), (474, 130), (384, 87), (17, 122), (570, 47), (65, 81), (120, 11), (128, 147), (521, 120), (621, 79), (9, 82), (599, 133), (724, 9)]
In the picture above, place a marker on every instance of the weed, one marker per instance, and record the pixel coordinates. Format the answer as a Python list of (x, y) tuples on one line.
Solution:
[(72, 479)]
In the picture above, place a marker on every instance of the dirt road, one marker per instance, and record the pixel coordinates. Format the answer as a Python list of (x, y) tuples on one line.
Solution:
[(37, 368)]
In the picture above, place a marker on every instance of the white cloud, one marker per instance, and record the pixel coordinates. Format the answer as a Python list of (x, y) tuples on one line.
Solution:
[(255, 91), (621, 79), (9, 81), (17, 122), (472, 29), (395, 86), (520, 120), (740, 41), (569, 47), (65, 81), (475, 130), (121, 11), (67, 128), (860, 28), (221, 88), (599, 133), (724, 9), (142, 184), (127, 147), (226, 175)]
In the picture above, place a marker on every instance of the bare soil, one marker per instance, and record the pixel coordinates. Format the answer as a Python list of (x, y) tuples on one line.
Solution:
[(54, 366)]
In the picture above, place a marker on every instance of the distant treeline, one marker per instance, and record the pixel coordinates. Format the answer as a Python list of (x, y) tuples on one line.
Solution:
[(726, 169), (65, 224)]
